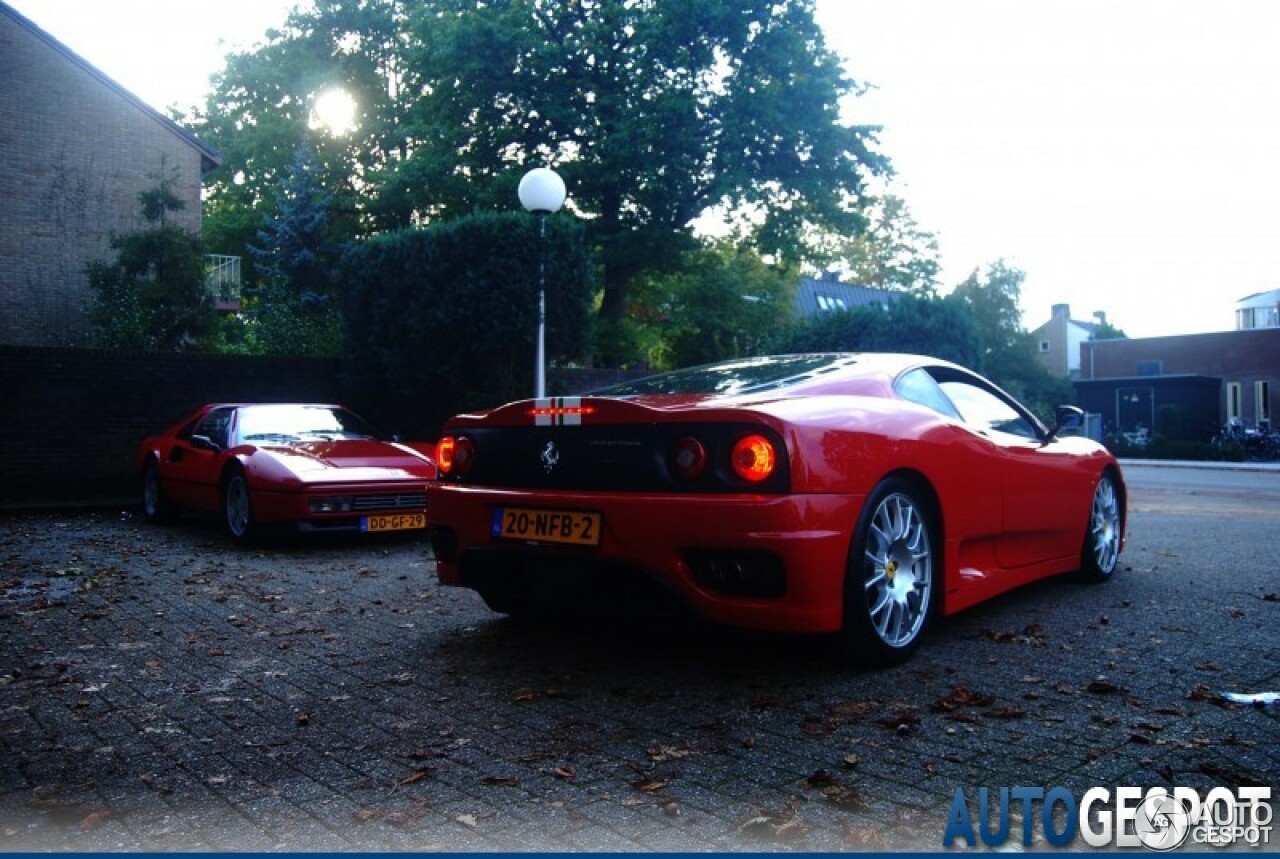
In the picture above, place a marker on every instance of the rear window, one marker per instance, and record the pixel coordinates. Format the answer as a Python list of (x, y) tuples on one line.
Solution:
[(731, 377)]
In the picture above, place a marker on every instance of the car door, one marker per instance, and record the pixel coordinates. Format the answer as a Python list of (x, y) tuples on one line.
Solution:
[(1037, 477), (193, 468)]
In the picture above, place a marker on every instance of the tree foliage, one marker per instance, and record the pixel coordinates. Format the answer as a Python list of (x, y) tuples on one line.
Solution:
[(722, 302), (444, 319), (1008, 349), (153, 295), (260, 111), (295, 308), (654, 111), (894, 253)]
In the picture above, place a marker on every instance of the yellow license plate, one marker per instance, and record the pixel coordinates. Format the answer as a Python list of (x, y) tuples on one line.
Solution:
[(547, 526), (393, 522)]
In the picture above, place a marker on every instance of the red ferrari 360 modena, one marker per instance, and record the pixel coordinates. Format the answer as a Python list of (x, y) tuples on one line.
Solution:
[(314, 465), (861, 494)]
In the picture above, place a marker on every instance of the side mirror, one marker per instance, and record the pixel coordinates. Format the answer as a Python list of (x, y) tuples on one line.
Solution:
[(1066, 419), (203, 442)]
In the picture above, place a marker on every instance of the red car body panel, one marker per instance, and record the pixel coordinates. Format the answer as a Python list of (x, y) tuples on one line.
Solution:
[(1011, 510), (284, 477)]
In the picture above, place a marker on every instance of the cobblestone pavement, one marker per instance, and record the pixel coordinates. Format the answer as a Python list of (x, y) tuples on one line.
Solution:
[(161, 689)]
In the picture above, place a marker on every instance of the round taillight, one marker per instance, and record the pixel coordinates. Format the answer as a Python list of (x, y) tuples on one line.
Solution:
[(754, 458), (688, 458), (444, 454), (464, 455)]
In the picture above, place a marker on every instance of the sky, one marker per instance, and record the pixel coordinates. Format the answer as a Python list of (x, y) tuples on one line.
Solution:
[(1122, 153)]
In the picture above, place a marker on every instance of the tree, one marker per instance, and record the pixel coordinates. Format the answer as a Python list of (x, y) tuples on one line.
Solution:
[(1008, 350), (1104, 330), (655, 112), (295, 307), (153, 296), (261, 109), (723, 302), (894, 253)]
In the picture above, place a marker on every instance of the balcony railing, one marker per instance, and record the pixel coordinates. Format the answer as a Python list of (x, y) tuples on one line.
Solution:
[(222, 279)]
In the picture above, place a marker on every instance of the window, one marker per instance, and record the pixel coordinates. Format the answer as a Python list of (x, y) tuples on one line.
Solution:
[(1233, 401), (985, 411), (920, 388), (829, 302), (1044, 346), (1150, 368), (1262, 401), (214, 426)]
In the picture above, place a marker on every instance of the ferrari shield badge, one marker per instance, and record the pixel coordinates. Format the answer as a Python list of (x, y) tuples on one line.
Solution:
[(550, 457)]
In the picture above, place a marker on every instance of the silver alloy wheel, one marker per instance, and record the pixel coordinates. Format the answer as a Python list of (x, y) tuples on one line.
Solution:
[(236, 504), (898, 551), (1104, 526)]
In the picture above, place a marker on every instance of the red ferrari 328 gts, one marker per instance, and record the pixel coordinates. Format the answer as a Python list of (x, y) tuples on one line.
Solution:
[(861, 494), (318, 466)]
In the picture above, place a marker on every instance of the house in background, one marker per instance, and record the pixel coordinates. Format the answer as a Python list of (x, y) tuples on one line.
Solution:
[(1058, 340), (1209, 378), (1260, 310), (78, 148), (826, 294)]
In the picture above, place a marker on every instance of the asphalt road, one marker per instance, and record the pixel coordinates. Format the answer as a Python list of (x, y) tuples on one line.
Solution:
[(163, 690)]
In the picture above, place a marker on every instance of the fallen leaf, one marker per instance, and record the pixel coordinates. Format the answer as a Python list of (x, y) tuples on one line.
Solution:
[(500, 781), (94, 819), (466, 819), (416, 776), (648, 785), (364, 815), (564, 772), (1101, 687)]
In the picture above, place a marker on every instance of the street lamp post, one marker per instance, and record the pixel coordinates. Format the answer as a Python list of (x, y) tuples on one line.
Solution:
[(541, 192)]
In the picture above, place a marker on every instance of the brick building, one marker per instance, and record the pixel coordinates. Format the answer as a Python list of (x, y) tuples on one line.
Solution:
[(77, 149), (1212, 378)]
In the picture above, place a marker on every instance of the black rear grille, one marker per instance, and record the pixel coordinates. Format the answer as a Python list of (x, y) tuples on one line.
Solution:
[(616, 458), (390, 501)]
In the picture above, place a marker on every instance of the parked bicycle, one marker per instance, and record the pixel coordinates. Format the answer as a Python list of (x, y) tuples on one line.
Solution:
[(1256, 442)]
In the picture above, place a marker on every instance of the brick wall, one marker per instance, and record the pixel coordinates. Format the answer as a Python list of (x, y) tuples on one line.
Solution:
[(76, 152), (72, 417)]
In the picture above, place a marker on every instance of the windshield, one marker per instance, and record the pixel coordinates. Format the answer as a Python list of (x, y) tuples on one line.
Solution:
[(731, 377), (291, 422)]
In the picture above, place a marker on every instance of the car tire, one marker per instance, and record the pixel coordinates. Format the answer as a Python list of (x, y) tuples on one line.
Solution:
[(893, 576), (237, 507), (155, 506), (1101, 551)]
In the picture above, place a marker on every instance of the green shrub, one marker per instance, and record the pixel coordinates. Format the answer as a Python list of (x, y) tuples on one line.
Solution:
[(443, 319)]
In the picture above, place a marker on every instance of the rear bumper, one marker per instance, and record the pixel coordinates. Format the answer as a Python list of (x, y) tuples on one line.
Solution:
[(658, 539)]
